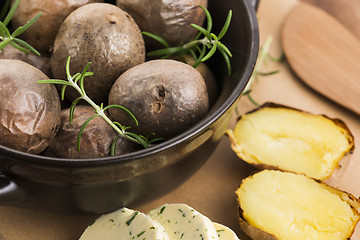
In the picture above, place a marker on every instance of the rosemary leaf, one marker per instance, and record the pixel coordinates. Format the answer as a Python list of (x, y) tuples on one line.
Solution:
[(55, 81), (113, 146), (225, 49), (154, 140), (276, 59), (209, 54), (18, 47), (82, 77), (67, 69), (11, 13), (125, 110), (227, 60), (165, 51), (72, 109), (202, 30), (22, 29), (4, 30), (63, 92), (140, 139), (247, 93), (83, 126), (161, 40), (193, 54), (76, 77), (26, 45), (208, 18), (226, 25), (268, 73), (4, 43)]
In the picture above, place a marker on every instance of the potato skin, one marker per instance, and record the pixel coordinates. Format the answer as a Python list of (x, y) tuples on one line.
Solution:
[(103, 34), (42, 34), (169, 19), (166, 96), (96, 138), (41, 62), (206, 73), (29, 111)]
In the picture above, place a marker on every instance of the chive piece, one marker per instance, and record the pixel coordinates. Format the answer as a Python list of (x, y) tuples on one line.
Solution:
[(128, 222), (140, 233), (183, 214), (162, 209)]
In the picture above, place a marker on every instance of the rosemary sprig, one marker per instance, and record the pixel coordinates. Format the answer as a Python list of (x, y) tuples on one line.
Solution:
[(264, 55), (12, 38), (202, 47), (77, 82)]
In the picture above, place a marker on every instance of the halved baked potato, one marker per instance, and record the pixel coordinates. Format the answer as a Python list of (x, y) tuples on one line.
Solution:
[(281, 205), (279, 137)]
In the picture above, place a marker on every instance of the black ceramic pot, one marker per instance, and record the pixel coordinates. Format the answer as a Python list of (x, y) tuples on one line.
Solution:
[(103, 185)]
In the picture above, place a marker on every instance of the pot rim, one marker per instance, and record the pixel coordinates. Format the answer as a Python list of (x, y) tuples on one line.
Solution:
[(190, 133)]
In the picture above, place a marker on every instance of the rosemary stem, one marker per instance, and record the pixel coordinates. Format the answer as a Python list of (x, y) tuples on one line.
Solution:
[(101, 113), (204, 41)]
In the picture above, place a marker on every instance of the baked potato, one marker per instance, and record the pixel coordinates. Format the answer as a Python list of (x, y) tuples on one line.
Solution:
[(166, 96), (168, 19), (95, 141), (29, 112), (276, 136), (42, 34), (103, 34), (281, 205)]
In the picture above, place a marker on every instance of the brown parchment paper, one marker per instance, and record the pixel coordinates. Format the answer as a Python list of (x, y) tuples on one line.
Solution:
[(211, 190)]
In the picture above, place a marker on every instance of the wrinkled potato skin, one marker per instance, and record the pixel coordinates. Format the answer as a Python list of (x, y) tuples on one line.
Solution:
[(166, 96), (104, 35), (40, 62), (96, 138), (42, 33), (29, 111), (169, 19)]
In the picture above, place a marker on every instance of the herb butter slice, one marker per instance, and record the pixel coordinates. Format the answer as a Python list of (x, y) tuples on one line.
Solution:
[(183, 222), (125, 224)]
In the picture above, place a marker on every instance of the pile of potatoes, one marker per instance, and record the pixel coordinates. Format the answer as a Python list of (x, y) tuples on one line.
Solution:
[(166, 96)]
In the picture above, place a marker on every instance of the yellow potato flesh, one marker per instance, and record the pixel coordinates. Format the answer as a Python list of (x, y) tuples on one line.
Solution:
[(291, 140), (292, 206)]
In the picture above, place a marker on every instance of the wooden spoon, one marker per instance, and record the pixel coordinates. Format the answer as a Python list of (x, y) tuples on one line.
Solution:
[(346, 12), (323, 53)]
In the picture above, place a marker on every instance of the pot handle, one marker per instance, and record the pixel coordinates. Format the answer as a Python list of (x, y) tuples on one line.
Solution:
[(10, 192)]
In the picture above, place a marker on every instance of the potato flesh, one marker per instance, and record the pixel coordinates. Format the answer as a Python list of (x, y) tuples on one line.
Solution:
[(292, 206), (291, 140)]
